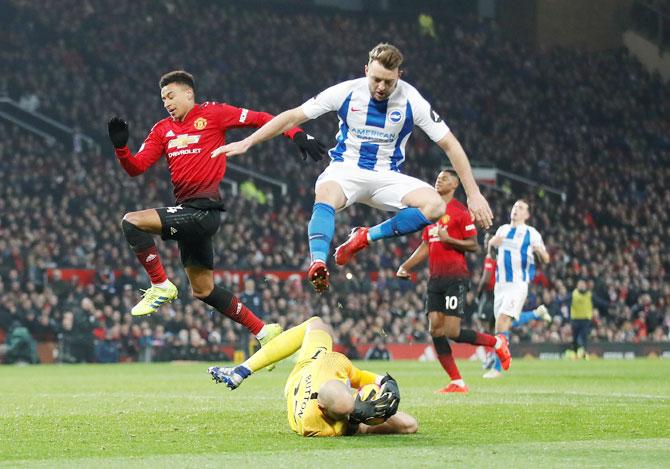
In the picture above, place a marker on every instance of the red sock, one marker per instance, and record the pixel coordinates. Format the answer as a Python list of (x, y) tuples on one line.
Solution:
[(152, 264), (485, 339), (449, 364), (243, 315)]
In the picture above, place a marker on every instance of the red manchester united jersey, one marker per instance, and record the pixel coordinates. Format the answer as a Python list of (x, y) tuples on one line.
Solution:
[(444, 260), (490, 267), (189, 146)]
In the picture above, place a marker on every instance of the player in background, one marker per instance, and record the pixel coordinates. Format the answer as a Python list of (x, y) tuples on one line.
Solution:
[(188, 138), (517, 245), (485, 294), (319, 398), (445, 244), (377, 114)]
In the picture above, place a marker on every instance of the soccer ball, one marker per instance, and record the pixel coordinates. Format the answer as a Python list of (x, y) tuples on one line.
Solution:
[(365, 392)]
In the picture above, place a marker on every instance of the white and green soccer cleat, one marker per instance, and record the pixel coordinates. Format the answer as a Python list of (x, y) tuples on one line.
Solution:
[(541, 312), (154, 298), (272, 331)]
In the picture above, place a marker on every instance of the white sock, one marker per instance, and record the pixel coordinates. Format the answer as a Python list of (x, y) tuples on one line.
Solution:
[(262, 333), (458, 382), (162, 285)]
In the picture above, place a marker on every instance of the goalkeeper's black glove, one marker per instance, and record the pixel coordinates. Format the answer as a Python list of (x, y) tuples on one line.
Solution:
[(309, 145), (389, 387), (372, 407), (118, 132)]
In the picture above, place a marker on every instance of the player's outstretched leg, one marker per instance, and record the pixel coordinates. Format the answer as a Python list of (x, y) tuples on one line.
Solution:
[(320, 230), (161, 291), (407, 220), (541, 312), (284, 345)]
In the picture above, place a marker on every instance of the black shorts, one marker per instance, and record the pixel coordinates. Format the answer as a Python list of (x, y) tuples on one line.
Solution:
[(193, 224), (446, 295)]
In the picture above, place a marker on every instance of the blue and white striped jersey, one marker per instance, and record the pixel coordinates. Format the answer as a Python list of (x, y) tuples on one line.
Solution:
[(373, 134), (516, 262)]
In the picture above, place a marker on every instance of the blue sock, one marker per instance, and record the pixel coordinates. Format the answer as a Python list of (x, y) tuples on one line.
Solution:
[(525, 317), (408, 220), (497, 365), (320, 230)]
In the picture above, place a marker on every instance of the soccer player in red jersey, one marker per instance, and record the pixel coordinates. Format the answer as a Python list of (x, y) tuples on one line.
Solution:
[(445, 244), (189, 138)]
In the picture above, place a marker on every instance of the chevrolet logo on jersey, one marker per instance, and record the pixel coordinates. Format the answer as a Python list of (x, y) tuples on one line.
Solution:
[(182, 141)]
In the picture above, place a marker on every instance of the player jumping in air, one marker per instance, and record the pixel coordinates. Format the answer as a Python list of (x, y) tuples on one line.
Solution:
[(188, 138), (445, 244), (517, 245), (377, 114), (319, 398)]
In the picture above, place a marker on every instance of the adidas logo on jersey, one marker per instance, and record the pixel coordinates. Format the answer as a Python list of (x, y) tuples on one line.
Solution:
[(173, 230), (169, 133)]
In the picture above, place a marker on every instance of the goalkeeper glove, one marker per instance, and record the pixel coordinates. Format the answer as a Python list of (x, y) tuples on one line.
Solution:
[(389, 387), (368, 409), (309, 145), (118, 132)]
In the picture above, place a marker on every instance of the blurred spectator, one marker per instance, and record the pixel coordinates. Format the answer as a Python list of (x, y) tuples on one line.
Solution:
[(378, 351)]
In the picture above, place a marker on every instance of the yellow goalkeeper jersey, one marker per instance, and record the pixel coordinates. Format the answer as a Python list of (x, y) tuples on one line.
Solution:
[(304, 416)]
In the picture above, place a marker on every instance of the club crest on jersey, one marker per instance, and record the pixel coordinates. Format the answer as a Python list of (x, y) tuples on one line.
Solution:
[(200, 123), (445, 219), (184, 140), (395, 116)]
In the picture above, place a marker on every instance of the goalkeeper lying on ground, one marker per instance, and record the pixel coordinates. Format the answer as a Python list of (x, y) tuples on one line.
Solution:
[(319, 398)]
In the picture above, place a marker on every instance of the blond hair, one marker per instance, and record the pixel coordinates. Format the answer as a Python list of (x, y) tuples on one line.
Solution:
[(386, 54)]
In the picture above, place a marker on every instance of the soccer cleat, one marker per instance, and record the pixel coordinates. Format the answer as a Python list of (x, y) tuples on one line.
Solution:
[(358, 240), (272, 331), (503, 352), (452, 388), (492, 374), (231, 377), (153, 298), (541, 312), (318, 276)]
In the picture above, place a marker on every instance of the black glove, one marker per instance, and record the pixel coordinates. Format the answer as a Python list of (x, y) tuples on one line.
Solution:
[(118, 132), (309, 146), (390, 388), (373, 407)]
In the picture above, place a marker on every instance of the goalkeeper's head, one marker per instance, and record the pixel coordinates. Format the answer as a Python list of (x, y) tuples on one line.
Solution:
[(178, 93), (335, 400)]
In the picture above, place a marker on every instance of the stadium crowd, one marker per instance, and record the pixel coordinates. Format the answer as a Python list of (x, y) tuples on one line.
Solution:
[(589, 123)]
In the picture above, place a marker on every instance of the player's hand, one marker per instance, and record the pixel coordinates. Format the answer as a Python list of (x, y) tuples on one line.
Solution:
[(390, 387), (309, 145), (402, 273), (480, 210), (373, 407), (233, 148), (118, 132), (443, 233)]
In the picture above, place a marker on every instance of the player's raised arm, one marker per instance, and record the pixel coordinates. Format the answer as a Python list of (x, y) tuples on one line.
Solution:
[(477, 204), (279, 124), (150, 151)]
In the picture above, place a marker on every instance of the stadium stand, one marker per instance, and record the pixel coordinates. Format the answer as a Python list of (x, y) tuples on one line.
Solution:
[(589, 123)]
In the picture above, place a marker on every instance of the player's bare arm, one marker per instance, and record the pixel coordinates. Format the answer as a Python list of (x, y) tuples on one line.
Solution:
[(542, 254), (477, 204), (463, 245), (417, 257), (279, 124), (495, 242)]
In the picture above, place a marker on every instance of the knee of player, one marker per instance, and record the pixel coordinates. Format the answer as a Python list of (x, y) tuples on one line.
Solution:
[(452, 331), (130, 217), (434, 209), (201, 291), (316, 324)]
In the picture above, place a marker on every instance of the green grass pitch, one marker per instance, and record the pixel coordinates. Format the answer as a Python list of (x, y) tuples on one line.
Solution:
[(549, 414)]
